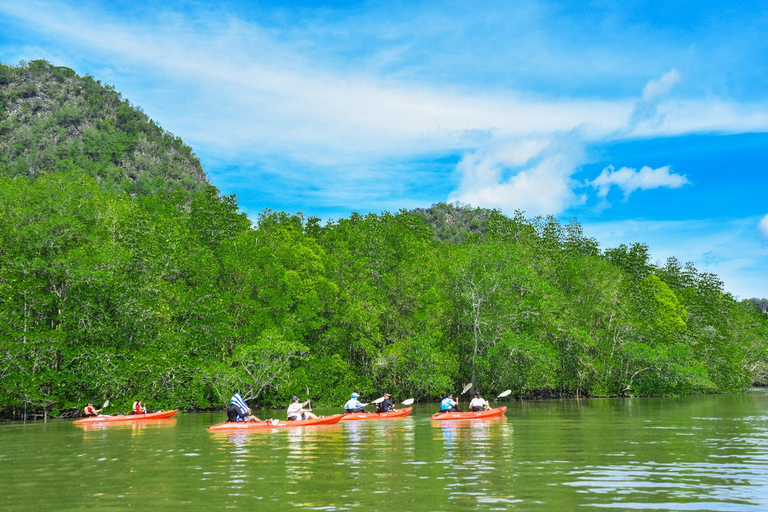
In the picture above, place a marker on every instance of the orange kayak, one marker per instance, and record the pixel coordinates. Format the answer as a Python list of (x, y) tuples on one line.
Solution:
[(491, 413), (126, 417), (245, 426), (397, 413)]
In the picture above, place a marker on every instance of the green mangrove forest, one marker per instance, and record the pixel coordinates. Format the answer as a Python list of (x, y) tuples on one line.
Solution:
[(124, 274)]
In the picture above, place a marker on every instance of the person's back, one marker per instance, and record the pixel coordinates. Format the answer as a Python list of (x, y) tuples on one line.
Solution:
[(295, 410), (478, 403), (354, 405), (385, 405), (448, 404), (90, 410), (233, 413)]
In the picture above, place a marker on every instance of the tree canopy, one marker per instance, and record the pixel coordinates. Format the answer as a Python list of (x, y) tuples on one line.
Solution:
[(125, 275)]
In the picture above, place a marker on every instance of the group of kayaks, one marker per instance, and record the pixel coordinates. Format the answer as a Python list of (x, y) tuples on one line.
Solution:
[(322, 420)]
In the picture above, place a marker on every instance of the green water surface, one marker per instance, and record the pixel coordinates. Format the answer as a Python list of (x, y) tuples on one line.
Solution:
[(691, 453)]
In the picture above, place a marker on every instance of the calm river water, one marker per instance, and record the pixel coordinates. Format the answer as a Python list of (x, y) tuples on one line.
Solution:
[(692, 453)]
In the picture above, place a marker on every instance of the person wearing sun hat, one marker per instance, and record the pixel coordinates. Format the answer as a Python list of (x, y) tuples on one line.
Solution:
[(354, 405), (385, 405), (297, 412)]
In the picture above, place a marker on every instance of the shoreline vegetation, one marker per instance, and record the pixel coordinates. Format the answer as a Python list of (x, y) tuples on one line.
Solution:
[(124, 274)]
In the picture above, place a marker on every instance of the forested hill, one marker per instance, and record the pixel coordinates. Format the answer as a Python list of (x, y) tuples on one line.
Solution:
[(454, 222), (53, 120)]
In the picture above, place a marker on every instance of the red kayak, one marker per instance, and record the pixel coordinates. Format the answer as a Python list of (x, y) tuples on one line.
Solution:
[(397, 413), (490, 413), (245, 426), (126, 417)]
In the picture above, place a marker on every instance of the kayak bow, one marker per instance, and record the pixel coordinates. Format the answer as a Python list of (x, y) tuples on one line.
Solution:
[(491, 413)]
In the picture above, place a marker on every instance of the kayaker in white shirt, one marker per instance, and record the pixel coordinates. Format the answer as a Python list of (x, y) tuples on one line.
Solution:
[(297, 412), (478, 403)]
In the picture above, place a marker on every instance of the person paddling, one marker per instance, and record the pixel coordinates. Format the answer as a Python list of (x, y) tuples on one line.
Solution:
[(354, 405), (385, 405), (90, 410), (478, 403), (238, 410), (297, 412), (448, 404), (138, 408)]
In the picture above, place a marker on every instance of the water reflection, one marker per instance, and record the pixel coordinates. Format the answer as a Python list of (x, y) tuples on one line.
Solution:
[(720, 464), (474, 454), (545, 455), (136, 426)]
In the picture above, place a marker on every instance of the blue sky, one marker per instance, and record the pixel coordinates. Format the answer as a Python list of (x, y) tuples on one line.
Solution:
[(645, 121)]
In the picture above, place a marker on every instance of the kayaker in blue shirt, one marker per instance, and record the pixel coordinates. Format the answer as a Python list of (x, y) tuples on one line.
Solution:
[(448, 404), (354, 405)]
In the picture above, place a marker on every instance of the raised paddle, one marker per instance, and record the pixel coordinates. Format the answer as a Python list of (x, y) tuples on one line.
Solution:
[(408, 402), (505, 393), (466, 388), (308, 399)]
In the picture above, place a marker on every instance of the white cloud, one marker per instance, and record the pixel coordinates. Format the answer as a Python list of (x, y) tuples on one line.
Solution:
[(531, 175), (629, 180), (655, 89), (647, 111), (763, 227)]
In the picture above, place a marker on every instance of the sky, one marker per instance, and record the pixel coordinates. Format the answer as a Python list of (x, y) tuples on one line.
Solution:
[(644, 121)]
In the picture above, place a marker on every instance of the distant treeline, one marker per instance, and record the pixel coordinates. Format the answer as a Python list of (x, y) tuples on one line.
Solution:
[(179, 300)]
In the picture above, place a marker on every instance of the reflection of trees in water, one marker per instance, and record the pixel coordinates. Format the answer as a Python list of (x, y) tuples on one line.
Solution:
[(471, 452), (306, 446), (135, 426)]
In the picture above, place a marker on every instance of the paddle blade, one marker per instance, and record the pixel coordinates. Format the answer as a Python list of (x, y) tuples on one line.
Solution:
[(274, 422), (466, 388), (408, 402), (378, 400), (505, 393), (105, 404)]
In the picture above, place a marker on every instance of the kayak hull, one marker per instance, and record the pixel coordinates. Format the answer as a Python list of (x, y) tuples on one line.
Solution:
[(126, 417), (452, 416), (243, 426), (357, 416)]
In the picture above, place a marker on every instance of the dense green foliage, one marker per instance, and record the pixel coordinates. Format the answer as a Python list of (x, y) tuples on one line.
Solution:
[(181, 301), (454, 222), (53, 120), (124, 275), (759, 304)]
